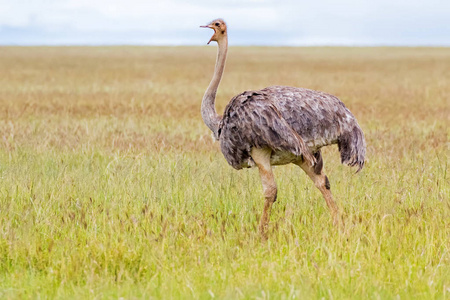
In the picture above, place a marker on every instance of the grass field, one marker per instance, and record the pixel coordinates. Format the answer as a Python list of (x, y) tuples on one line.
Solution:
[(111, 186)]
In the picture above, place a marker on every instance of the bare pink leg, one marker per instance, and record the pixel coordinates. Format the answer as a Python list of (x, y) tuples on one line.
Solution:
[(322, 183), (262, 159)]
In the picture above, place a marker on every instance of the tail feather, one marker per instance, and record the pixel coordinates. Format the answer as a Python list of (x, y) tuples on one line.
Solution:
[(352, 147)]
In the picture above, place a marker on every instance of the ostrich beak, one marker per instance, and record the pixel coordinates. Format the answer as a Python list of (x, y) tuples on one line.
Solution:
[(209, 26)]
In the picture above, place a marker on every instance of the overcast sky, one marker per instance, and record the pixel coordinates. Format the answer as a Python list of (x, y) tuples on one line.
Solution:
[(250, 22)]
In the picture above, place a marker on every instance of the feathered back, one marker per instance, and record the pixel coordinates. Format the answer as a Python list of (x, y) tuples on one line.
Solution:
[(252, 120), (295, 120), (321, 119)]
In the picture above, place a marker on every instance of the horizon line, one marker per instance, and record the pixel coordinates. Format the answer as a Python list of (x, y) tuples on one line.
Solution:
[(236, 45)]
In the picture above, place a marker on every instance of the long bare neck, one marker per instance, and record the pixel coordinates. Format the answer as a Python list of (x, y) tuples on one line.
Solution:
[(209, 114)]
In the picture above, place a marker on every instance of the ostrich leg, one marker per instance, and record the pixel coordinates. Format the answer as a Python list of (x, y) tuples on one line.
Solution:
[(322, 183), (262, 160)]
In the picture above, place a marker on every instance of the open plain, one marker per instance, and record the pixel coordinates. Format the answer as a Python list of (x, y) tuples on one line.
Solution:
[(112, 187)]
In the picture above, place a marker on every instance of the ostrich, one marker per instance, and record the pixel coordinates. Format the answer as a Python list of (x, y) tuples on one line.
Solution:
[(279, 125)]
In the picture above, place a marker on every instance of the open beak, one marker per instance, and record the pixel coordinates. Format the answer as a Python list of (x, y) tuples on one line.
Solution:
[(209, 26)]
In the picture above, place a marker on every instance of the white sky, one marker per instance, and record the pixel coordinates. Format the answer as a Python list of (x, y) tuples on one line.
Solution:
[(250, 22)]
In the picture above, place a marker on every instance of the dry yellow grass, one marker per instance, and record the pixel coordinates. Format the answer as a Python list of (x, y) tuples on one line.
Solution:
[(152, 95), (111, 185)]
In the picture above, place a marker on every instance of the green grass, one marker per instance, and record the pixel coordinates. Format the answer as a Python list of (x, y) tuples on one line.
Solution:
[(111, 187)]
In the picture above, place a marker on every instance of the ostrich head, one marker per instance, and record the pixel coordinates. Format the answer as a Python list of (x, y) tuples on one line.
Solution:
[(220, 29)]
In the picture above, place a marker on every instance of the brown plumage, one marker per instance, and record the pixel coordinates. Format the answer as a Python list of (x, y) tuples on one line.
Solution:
[(288, 119), (280, 125)]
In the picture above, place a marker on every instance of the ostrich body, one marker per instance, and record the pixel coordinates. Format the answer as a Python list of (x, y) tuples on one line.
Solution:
[(280, 125)]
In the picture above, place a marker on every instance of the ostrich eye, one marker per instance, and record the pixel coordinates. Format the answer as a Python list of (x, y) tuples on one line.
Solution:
[(217, 24)]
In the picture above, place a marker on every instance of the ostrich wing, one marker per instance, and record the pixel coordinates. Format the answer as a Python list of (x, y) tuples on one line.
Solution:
[(250, 120), (320, 119)]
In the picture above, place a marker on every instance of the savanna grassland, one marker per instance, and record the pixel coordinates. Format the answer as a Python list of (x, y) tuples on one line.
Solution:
[(111, 186)]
